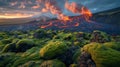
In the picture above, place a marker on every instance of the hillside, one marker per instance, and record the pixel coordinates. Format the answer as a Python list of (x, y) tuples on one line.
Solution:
[(109, 16)]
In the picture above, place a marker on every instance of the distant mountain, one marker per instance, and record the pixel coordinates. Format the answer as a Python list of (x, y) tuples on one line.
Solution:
[(111, 16), (106, 21)]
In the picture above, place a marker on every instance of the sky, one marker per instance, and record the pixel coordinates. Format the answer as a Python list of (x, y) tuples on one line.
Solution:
[(32, 8)]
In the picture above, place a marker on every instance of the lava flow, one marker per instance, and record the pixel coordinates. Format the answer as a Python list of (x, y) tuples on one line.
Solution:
[(66, 21)]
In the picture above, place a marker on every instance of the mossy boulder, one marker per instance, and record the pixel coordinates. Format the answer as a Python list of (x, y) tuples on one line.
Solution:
[(103, 56), (113, 45), (53, 48), (6, 58), (84, 35), (30, 55), (1, 46), (100, 37), (19, 46), (24, 44), (31, 64), (9, 48), (40, 33), (52, 63), (6, 41), (76, 55), (73, 65), (81, 43), (64, 36), (3, 35)]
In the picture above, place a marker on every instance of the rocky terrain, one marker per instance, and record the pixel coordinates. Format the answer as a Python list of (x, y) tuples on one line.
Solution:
[(50, 48)]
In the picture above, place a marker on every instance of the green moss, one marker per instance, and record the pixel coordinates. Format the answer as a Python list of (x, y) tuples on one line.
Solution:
[(113, 45), (52, 63), (41, 42), (64, 36), (20, 46), (3, 35), (6, 41), (32, 64), (99, 36), (76, 55), (30, 55), (53, 48), (40, 33), (82, 43), (6, 59), (73, 65), (1, 46), (24, 44), (103, 56), (9, 48)]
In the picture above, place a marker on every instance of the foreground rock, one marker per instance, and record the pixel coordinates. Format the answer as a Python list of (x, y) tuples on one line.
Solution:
[(52, 49), (102, 55)]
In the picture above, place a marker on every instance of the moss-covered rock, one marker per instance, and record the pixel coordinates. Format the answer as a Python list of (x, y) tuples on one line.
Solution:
[(64, 36), (73, 65), (52, 63), (24, 44), (6, 41), (100, 37), (81, 43), (3, 35), (40, 33), (6, 59), (31, 64), (67, 56), (103, 56), (30, 55), (9, 48), (113, 45), (76, 55), (19, 46), (53, 48), (1, 46)]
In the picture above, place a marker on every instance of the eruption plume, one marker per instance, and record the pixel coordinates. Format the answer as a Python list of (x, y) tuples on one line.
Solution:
[(67, 21), (75, 8), (51, 7)]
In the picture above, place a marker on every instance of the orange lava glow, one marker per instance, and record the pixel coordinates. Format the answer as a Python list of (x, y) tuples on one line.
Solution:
[(65, 21), (45, 26), (77, 24), (74, 8)]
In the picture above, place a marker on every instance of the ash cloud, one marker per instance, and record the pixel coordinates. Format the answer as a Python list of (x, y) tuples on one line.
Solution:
[(93, 5)]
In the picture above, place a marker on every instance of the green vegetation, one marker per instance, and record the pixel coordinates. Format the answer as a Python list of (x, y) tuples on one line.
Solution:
[(76, 55), (52, 63), (51, 48), (101, 37), (102, 55), (24, 44)]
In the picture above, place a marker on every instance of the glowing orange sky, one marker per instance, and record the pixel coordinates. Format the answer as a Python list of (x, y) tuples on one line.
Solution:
[(16, 15)]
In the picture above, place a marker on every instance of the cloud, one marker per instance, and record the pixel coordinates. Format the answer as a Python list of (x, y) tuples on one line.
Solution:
[(93, 5)]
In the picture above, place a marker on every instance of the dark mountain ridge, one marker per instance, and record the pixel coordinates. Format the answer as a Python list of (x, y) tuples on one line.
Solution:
[(109, 16)]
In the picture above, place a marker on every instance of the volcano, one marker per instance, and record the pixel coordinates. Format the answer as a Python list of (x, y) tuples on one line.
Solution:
[(78, 23)]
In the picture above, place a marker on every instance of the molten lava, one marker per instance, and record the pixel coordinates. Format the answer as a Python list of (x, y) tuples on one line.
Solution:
[(66, 21), (74, 8)]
